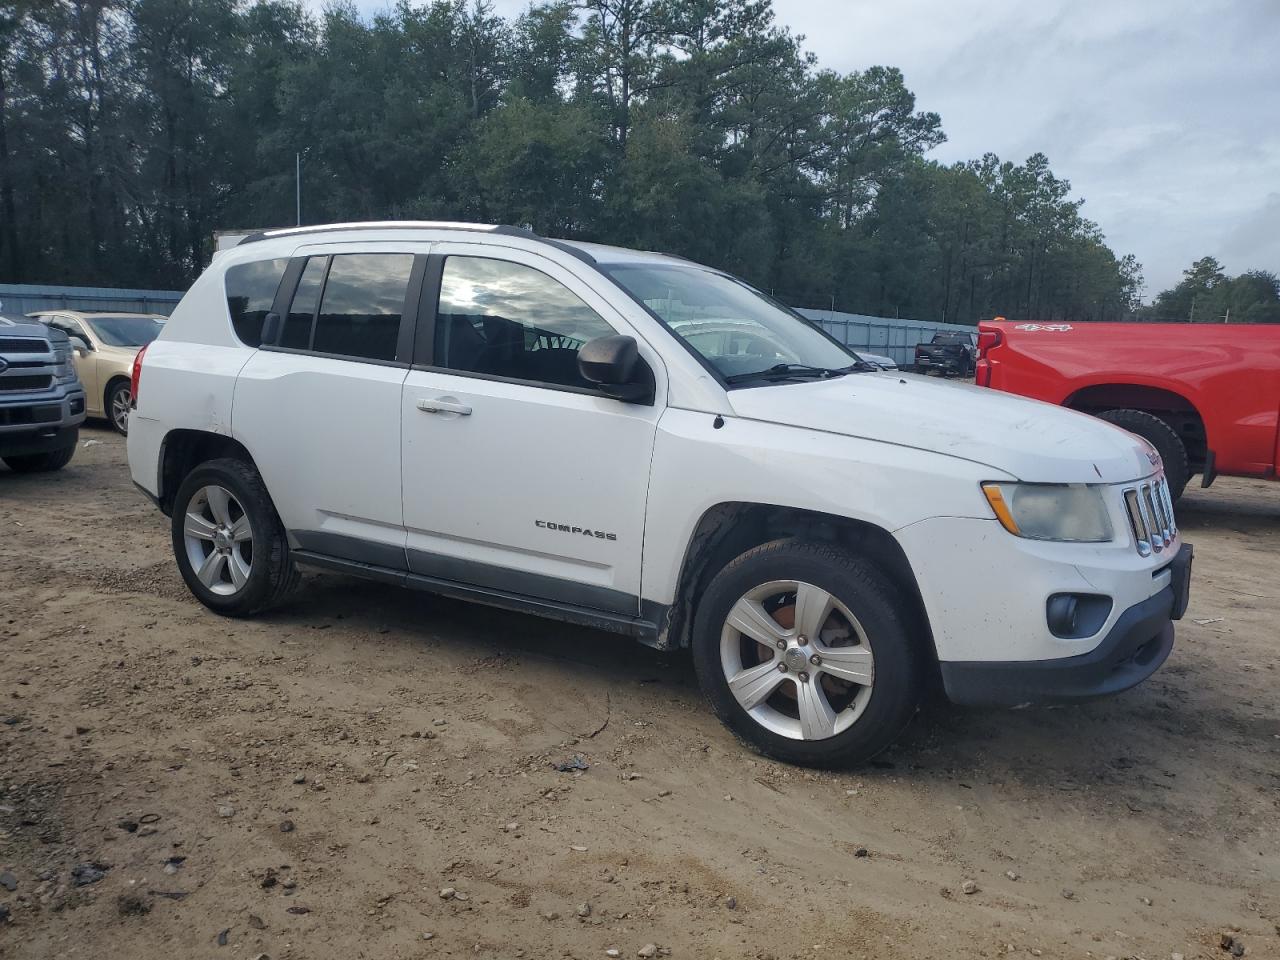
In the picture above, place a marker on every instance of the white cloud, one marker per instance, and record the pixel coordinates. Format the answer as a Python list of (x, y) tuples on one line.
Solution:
[(1255, 239), (1164, 114)]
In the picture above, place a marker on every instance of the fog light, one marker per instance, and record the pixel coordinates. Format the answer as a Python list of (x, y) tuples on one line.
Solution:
[(1064, 611), (1074, 616)]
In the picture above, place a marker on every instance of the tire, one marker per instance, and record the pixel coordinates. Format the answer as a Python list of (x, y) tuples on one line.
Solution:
[(1177, 468), (43, 462), (863, 718), (115, 402), (242, 582)]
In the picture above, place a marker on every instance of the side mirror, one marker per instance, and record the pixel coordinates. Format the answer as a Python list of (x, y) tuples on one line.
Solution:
[(614, 365), (80, 349)]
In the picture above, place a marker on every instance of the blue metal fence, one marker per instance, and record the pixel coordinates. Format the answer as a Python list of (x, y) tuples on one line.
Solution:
[(883, 335), (17, 299), (888, 336)]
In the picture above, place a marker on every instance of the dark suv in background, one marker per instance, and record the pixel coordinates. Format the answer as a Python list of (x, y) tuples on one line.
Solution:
[(951, 352)]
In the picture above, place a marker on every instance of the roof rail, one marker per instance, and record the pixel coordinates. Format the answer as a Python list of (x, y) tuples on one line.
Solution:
[(560, 245), (502, 231)]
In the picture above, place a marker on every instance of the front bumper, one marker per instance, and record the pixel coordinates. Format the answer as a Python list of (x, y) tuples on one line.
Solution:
[(37, 413), (41, 441), (1133, 649)]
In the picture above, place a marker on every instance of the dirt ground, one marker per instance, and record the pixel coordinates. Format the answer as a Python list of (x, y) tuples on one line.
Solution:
[(316, 782)]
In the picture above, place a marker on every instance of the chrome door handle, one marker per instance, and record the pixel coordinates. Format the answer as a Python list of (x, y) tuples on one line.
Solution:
[(444, 406)]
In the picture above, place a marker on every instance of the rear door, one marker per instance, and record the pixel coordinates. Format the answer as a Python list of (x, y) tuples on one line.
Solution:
[(319, 406), (519, 475)]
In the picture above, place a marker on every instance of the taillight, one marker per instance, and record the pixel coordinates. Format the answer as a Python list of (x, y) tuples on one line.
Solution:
[(987, 339), (135, 375)]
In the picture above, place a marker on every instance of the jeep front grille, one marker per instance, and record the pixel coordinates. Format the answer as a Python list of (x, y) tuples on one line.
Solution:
[(1150, 510)]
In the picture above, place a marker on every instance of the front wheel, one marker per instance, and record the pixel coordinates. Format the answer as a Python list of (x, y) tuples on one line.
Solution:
[(43, 462), (802, 651), (228, 540), (119, 399)]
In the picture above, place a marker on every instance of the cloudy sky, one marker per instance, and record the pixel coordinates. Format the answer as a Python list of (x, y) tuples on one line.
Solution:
[(1163, 114)]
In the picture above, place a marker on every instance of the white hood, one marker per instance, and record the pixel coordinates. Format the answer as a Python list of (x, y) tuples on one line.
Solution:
[(1028, 439)]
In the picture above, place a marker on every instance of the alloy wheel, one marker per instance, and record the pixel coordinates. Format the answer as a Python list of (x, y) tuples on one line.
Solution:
[(120, 401), (218, 539), (797, 660)]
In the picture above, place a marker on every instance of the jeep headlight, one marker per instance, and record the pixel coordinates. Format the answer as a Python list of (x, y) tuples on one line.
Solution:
[(1068, 512), (62, 368)]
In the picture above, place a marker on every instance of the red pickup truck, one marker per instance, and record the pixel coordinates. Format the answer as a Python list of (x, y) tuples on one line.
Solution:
[(1206, 396)]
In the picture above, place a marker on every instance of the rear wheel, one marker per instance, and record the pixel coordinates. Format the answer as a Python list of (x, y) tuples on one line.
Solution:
[(228, 540), (1177, 468), (802, 652)]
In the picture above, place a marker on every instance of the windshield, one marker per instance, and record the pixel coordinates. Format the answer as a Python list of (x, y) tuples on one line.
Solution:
[(126, 331), (740, 331)]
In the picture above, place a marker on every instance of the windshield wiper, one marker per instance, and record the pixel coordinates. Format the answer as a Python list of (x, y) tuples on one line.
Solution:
[(794, 371)]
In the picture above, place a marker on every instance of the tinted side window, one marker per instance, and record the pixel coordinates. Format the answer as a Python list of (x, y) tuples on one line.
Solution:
[(361, 305), (251, 289), (306, 299), (508, 320)]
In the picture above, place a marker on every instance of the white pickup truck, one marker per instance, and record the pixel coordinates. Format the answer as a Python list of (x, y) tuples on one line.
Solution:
[(644, 445)]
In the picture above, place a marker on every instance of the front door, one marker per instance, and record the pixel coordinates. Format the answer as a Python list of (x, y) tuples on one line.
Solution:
[(518, 475)]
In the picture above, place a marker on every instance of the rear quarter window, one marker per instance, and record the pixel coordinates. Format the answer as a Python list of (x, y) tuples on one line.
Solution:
[(251, 290)]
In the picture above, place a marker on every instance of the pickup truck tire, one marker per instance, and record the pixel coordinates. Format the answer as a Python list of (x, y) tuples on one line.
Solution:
[(1177, 468), (228, 540), (834, 699), (42, 462)]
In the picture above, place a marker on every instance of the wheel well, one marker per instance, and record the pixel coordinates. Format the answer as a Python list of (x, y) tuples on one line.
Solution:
[(730, 529), (1173, 408), (106, 391), (184, 450)]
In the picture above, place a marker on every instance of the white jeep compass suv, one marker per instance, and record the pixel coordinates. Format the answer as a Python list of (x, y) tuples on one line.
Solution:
[(645, 445)]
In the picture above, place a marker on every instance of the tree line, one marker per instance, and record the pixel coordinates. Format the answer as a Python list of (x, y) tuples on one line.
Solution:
[(130, 130), (1207, 295)]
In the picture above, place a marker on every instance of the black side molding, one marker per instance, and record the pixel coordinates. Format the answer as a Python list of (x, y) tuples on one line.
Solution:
[(642, 630), (341, 547), (517, 583)]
